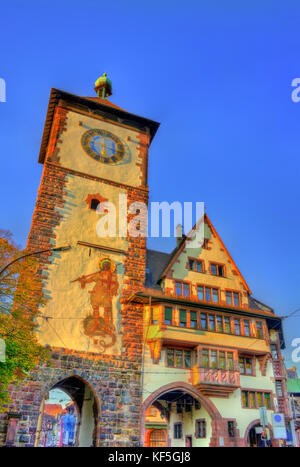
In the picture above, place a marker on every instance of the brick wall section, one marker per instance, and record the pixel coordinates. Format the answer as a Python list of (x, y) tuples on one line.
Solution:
[(58, 126), (135, 267)]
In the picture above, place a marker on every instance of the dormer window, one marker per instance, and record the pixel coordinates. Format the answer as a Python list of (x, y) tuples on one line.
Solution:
[(207, 294), (232, 298), (182, 289), (196, 265), (217, 269)]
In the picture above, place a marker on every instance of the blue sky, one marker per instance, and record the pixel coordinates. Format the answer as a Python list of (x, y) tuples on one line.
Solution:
[(216, 74)]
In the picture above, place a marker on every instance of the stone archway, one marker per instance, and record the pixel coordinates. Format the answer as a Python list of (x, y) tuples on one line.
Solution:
[(216, 418), (88, 409), (252, 425)]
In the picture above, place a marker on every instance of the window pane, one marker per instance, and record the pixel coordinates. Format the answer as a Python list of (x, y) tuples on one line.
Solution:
[(178, 358), (219, 323), (170, 357), (252, 399), (193, 319), (201, 429), (220, 270), (178, 288), (213, 269), (242, 364), (228, 298), (212, 322), (246, 327), (215, 295), (168, 315), (227, 325), (274, 351), (187, 358), (231, 429), (259, 329), (200, 293), (205, 360), (236, 299), (245, 399), (207, 294), (237, 327), (259, 399), (186, 290), (199, 266), (177, 431), (213, 359), (222, 360), (230, 360), (191, 264), (248, 362), (268, 400), (182, 314), (203, 321)]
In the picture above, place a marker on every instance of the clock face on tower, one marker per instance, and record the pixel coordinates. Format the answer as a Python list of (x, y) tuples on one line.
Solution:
[(103, 146)]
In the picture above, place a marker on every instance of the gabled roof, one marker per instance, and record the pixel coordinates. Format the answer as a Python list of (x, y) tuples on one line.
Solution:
[(257, 305), (96, 104), (155, 262), (104, 102), (182, 244)]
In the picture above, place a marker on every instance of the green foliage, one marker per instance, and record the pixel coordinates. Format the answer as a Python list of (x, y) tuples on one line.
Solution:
[(20, 298)]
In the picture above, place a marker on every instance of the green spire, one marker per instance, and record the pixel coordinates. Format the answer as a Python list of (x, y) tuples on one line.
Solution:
[(103, 87)]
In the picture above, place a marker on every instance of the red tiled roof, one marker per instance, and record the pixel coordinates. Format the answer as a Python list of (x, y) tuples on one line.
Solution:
[(104, 102), (53, 409)]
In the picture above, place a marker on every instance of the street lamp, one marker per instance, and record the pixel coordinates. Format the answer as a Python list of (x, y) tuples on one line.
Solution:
[(58, 248)]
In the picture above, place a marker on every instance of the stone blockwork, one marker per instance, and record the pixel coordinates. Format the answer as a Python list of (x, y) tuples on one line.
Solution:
[(116, 386)]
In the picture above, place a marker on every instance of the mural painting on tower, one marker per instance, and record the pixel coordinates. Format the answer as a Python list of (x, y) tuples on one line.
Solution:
[(97, 325)]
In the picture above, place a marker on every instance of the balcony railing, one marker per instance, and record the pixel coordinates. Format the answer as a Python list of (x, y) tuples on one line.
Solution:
[(216, 382)]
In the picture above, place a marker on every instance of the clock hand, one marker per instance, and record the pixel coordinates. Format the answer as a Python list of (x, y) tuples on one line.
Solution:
[(103, 153)]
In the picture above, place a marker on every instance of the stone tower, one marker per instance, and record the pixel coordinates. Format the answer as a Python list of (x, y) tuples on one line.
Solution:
[(93, 153)]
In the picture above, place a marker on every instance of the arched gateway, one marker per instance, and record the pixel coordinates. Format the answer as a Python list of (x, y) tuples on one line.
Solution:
[(186, 398), (75, 423)]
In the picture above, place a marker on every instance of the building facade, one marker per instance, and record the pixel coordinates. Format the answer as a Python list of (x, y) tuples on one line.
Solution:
[(129, 328)]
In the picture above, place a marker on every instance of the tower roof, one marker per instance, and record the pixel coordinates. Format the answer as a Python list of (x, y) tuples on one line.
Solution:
[(96, 105)]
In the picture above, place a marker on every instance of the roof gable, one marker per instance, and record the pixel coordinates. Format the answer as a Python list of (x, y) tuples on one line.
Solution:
[(178, 267)]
